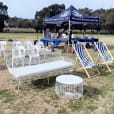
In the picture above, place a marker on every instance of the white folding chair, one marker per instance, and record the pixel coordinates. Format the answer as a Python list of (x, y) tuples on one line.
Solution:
[(18, 53), (34, 53), (3, 47)]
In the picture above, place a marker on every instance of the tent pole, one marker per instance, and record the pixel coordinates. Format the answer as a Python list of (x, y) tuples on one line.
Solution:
[(68, 39)]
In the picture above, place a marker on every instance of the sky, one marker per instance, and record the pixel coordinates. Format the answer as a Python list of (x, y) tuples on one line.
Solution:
[(27, 8)]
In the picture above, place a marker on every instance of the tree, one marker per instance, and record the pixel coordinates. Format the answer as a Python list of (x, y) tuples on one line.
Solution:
[(49, 11), (3, 15)]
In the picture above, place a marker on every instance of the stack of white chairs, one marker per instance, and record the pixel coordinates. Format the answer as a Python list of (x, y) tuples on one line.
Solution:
[(34, 54), (42, 49), (28, 45), (3, 47), (18, 53)]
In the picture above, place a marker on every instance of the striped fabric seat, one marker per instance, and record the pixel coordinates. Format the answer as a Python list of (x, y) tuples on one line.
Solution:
[(85, 62), (82, 57), (102, 52)]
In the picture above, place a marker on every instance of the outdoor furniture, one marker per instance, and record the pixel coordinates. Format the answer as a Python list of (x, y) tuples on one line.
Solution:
[(104, 53), (18, 53), (28, 46), (55, 42), (16, 43), (42, 49), (34, 54), (85, 62), (3, 47), (69, 86), (38, 70)]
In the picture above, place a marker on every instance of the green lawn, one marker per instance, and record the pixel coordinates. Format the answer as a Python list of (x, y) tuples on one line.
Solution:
[(20, 36), (34, 36)]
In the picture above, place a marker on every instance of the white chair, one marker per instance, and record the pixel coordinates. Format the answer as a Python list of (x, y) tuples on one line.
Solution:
[(16, 44), (28, 46), (3, 47), (42, 49), (34, 53), (18, 53)]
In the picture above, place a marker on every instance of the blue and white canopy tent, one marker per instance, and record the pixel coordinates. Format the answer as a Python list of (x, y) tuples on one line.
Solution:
[(72, 15)]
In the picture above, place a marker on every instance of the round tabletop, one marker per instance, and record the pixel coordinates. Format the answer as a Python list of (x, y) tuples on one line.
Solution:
[(69, 79)]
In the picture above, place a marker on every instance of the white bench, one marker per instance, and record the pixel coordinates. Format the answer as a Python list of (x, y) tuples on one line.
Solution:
[(33, 70), (25, 71)]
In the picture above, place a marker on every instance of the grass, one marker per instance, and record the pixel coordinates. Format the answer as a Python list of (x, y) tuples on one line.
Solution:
[(36, 96)]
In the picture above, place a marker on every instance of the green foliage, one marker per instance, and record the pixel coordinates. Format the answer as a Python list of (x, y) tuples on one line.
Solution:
[(49, 11), (3, 15)]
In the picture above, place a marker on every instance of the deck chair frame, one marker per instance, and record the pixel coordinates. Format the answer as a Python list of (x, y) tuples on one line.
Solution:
[(83, 67), (101, 56)]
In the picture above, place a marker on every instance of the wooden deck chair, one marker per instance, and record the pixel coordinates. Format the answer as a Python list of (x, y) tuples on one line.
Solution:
[(104, 53), (85, 62)]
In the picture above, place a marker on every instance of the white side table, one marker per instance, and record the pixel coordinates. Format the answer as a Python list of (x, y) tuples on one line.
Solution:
[(69, 86)]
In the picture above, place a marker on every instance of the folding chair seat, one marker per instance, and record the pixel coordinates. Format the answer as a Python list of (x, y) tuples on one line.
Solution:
[(85, 62), (3, 47), (34, 53), (104, 53), (18, 53)]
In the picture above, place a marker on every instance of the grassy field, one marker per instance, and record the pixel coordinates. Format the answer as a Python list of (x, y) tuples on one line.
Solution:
[(34, 36), (38, 97)]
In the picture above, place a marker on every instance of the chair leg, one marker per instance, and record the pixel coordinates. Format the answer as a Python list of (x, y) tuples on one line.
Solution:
[(87, 73), (97, 70), (108, 67)]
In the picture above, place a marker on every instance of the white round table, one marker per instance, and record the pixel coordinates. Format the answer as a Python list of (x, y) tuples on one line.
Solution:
[(69, 86)]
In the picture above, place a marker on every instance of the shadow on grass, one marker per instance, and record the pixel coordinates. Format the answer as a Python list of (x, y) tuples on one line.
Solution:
[(90, 91), (43, 83), (3, 67)]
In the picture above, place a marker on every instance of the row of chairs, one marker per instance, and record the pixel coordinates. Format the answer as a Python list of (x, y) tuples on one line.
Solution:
[(87, 63), (19, 51)]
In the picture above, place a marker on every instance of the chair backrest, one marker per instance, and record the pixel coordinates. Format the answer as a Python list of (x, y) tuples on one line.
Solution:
[(78, 48), (34, 51), (2, 45), (28, 45), (18, 52), (16, 43), (101, 49), (40, 44)]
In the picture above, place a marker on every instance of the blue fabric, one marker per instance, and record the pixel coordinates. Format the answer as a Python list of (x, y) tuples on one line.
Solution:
[(54, 41), (103, 54), (82, 57), (72, 14), (85, 39)]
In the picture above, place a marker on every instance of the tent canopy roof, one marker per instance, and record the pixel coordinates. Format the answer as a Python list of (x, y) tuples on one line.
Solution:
[(74, 16)]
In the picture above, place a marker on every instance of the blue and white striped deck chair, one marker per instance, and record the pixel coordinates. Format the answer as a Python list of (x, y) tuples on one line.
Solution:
[(86, 63), (104, 53)]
